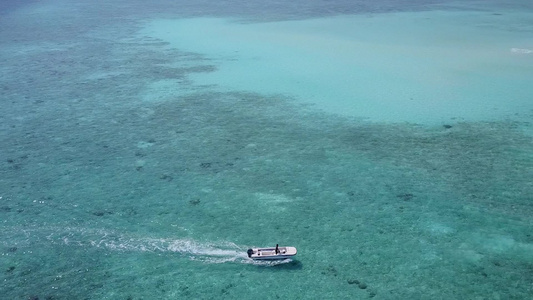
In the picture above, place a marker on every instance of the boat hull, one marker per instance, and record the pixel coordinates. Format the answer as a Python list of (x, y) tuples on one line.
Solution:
[(276, 257), (272, 253)]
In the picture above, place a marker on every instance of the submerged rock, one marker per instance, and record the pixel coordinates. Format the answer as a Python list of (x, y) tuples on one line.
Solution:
[(353, 281), (405, 197)]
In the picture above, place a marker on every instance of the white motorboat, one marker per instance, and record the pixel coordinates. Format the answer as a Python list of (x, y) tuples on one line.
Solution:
[(272, 253)]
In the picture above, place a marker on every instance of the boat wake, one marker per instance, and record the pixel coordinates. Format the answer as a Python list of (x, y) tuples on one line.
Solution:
[(521, 51), (220, 252), (208, 252)]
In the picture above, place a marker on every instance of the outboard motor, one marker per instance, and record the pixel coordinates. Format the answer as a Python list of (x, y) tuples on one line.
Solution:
[(250, 252)]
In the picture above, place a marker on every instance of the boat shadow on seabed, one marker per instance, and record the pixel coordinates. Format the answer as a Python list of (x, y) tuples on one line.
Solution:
[(288, 264)]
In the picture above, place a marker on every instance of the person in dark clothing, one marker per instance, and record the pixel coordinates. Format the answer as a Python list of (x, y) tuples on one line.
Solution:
[(277, 249)]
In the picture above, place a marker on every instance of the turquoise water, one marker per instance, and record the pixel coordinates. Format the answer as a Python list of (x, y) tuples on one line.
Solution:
[(145, 147)]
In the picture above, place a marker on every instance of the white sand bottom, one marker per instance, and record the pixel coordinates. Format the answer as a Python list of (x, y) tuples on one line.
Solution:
[(423, 67)]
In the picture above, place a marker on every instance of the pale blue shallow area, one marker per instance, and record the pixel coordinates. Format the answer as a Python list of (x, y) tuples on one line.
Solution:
[(145, 146)]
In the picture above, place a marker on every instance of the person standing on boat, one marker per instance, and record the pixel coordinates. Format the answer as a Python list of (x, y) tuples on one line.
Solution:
[(277, 249)]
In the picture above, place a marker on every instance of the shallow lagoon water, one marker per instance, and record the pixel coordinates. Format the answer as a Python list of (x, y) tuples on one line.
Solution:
[(141, 155), (420, 67)]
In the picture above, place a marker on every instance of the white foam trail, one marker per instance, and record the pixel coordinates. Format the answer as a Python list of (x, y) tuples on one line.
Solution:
[(207, 252), (210, 252), (521, 51)]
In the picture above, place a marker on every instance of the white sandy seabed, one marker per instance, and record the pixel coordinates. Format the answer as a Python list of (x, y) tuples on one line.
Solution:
[(419, 67)]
